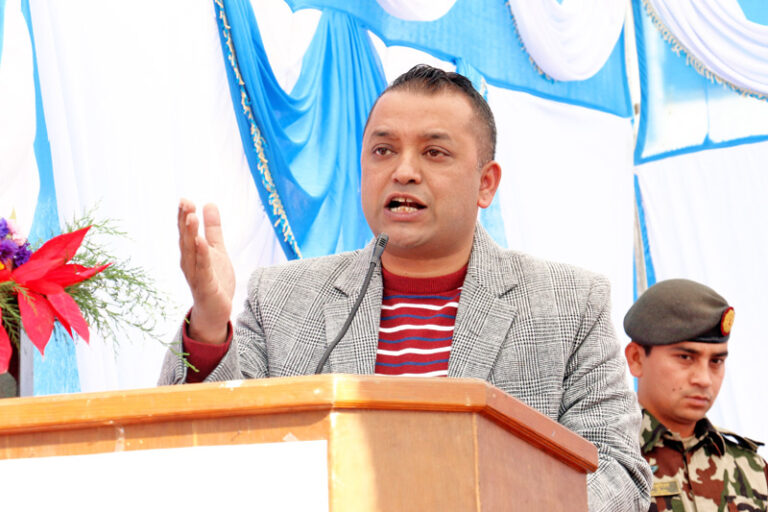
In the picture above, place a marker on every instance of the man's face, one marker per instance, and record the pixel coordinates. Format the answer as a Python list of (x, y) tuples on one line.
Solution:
[(421, 182), (678, 383)]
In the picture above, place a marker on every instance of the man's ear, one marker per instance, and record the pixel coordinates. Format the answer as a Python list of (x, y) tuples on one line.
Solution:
[(490, 176), (635, 355)]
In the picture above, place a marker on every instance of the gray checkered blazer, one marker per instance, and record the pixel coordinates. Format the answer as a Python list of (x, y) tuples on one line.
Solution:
[(539, 331)]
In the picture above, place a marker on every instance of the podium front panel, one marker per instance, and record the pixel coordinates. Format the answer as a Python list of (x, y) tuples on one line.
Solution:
[(393, 443)]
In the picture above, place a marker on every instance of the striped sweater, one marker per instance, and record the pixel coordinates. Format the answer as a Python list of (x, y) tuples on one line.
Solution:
[(417, 320)]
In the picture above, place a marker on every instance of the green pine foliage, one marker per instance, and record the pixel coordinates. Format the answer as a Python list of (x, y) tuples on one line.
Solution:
[(121, 298), (10, 310)]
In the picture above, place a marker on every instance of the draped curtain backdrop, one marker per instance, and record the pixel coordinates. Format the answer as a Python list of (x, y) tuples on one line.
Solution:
[(700, 170), (259, 107), (718, 39)]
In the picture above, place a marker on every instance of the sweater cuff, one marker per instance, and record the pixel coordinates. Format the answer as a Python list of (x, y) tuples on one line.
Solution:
[(203, 356)]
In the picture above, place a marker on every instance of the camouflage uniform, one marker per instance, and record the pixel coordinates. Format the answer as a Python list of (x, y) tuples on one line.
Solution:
[(712, 470)]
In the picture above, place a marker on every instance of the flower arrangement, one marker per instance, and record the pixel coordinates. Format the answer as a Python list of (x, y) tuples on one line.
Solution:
[(71, 280), (38, 279)]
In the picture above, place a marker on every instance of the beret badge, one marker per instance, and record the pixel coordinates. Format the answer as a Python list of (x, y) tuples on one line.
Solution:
[(726, 321)]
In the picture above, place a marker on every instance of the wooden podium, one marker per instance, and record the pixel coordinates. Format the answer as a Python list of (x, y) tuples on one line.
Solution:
[(393, 443)]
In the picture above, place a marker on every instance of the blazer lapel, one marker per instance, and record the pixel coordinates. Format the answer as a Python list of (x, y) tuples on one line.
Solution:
[(482, 322), (484, 317), (356, 352)]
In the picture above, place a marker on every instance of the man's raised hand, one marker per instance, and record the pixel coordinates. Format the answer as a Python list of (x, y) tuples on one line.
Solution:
[(208, 271)]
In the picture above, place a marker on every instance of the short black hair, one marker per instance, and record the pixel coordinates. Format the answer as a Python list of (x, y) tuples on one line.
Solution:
[(430, 80)]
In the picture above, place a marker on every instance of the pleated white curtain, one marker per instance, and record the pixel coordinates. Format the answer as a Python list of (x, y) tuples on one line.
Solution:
[(717, 35), (567, 187), (19, 181), (572, 39), (135, 122)]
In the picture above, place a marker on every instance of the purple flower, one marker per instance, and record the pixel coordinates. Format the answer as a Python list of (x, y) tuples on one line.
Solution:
[(8, 250), (22, 255), (14, 250)]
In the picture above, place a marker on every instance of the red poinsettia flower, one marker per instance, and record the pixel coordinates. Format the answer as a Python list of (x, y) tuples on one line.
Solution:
[(44, 299)]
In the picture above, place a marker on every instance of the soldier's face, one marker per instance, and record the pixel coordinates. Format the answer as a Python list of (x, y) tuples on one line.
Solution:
[(678, 383)]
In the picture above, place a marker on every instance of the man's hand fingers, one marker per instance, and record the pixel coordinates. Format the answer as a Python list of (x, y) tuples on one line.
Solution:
[(212, 225), (205, 279), (185, 206), (187, 235)]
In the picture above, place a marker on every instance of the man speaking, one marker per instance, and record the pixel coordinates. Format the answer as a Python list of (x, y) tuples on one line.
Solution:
[(446, 300)]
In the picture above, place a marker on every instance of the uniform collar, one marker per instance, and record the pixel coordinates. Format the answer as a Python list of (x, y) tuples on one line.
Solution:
[(653, 435)]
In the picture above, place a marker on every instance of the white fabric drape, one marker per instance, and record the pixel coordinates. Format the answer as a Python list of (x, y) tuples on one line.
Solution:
[(717, 35), (571, 40), (286, 36), (706, 218), (19, 181), (135, 122), (567, 186)]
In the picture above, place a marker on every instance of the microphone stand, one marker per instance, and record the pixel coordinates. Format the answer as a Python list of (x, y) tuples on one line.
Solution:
[(381, 243)]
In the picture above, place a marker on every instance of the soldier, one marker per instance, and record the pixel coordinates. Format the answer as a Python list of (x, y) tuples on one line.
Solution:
[(679, 331)]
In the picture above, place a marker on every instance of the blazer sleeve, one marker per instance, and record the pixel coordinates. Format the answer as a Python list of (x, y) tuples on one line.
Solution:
[(598, 404), (246, 357)]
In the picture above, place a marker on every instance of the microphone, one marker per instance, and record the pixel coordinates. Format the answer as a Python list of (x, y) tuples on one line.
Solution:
[(378, 249)]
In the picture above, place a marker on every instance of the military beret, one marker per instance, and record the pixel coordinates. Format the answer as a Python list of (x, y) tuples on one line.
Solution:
[(678, 310)]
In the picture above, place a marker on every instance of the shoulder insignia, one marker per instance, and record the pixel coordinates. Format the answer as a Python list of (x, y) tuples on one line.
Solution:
[(665, 488), (742, 441)]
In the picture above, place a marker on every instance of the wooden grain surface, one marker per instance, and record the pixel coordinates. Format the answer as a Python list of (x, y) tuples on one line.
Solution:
[(117, 420)]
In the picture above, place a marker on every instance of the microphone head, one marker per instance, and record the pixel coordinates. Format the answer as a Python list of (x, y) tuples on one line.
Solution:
[(381, 240), (378, 249)]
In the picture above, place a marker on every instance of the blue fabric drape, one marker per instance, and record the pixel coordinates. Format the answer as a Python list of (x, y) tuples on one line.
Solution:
[(755, 10), (482, 33), (304, 147), (45, 223), (681, 110), (649, 276), (58, 372)]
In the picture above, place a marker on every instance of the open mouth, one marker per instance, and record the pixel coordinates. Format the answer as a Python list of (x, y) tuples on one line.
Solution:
[(404, 205)]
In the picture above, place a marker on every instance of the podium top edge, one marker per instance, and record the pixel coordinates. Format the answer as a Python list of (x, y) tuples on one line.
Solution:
[(295, 394)]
